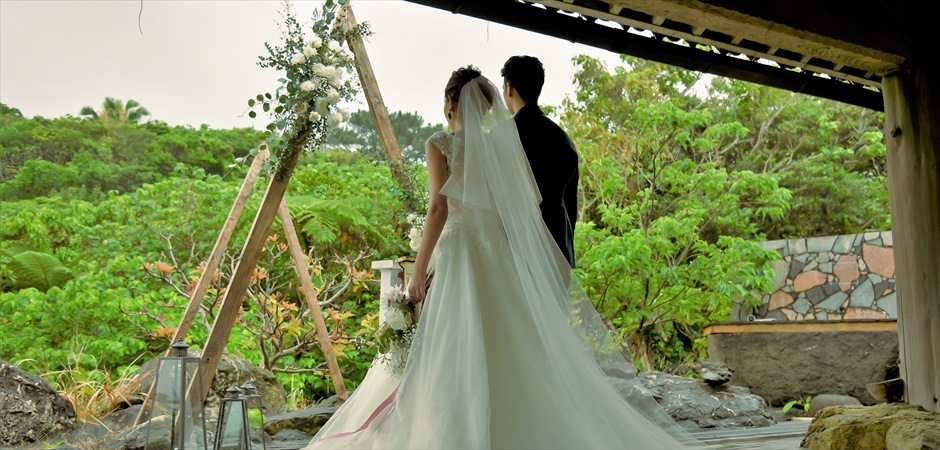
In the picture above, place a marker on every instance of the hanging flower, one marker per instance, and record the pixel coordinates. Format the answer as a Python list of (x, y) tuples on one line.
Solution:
[(335, 119), (335, 47), (332, 95), (414, 239), (316, 42), (309, 85), (346, 114), (309, 52), (298, 59), (337, 76), (314, 116)]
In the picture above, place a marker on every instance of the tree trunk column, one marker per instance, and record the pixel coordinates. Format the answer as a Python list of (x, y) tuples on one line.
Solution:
[(912, 132)]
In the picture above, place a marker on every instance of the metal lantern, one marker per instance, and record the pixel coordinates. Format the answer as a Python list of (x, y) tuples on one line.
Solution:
[(177, 419), (234, 430)]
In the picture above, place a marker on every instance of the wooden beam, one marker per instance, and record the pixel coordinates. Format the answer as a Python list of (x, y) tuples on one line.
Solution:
[(755, 28), (580, 31), (807, 326), (313, 306), (383, 125), (212, 264), (251, 252), (693, 38), (912, 121)]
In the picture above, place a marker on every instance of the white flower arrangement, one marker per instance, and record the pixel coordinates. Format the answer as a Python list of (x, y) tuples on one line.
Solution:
[(394, 337), (317, 79)]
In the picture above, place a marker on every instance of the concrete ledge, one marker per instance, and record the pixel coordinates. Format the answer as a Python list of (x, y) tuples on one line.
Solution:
[(805, 326)]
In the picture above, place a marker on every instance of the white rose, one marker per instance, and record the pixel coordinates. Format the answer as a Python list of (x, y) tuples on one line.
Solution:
[(335, 47), (346, 114), (320, 69), (397, 319), (332, 95), (316, 42), (309, 85), (300, 108), (335, 119), (309, 51), (411, 217), (414, 237), (298, 59), (314, 116), (347, 54), (337, 76)]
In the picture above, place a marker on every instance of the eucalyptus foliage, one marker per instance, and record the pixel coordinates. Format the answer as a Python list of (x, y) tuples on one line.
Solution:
[(318, 74)]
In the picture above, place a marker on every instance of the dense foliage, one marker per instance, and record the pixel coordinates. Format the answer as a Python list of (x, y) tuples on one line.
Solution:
[(105, 224), (679, 184)]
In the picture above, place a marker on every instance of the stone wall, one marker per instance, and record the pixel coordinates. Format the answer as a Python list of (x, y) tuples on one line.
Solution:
[(831, 278), (783, 366)]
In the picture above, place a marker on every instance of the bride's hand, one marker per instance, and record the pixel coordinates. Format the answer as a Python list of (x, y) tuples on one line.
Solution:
[(416, 290)]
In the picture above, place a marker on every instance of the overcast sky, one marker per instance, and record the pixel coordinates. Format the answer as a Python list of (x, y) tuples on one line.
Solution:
[(195, 62)]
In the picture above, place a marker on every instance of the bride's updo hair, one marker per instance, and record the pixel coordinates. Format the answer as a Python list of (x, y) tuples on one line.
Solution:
[(461, 77)]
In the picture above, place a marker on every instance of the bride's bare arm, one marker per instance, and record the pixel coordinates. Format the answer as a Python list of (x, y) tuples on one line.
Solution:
[(434, 222)]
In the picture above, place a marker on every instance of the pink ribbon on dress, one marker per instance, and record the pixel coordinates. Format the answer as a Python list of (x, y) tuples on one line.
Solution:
[(388, 401)]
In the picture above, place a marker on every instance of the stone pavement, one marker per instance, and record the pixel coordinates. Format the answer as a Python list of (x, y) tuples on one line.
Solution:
[(782, 436)]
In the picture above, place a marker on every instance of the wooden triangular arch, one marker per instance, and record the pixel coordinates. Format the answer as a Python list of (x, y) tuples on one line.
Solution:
[(272, 205)]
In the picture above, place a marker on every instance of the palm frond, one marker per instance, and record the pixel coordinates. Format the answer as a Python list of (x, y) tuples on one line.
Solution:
[(88, 112)]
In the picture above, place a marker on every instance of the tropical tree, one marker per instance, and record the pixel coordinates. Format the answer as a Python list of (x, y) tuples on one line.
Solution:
[(359, 135), (116, 111), (666, 234)]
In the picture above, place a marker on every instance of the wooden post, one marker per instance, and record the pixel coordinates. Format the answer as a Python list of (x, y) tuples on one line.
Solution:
[(912, 132), (300, 266), (251, 252), (383, 125), (215, 258), (212, 264)]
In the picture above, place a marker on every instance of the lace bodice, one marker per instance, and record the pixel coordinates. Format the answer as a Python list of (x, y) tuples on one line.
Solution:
[(449, 145), (446, 143)]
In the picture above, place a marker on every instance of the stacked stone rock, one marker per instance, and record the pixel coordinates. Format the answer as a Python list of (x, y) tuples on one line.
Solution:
[(832, 278)]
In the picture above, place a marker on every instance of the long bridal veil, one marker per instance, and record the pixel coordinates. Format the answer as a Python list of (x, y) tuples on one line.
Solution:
[(496, 175)]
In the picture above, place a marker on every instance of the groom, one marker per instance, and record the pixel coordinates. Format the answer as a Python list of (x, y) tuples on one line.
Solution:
[(551, 153)]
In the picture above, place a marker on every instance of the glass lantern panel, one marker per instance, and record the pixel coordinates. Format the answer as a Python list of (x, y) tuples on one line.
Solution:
[(232, 427), (176, 424)]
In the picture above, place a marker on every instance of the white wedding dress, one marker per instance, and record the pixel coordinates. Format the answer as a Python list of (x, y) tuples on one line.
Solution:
[(501, 358)]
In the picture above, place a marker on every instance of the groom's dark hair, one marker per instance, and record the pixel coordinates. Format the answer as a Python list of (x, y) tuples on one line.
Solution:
[(526, 74)]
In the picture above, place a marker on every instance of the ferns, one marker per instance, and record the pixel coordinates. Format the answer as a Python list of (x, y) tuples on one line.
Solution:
[(329, 221), (39, 270)]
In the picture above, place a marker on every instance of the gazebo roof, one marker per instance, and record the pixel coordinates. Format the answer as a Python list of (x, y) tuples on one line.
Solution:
[(837, 50)]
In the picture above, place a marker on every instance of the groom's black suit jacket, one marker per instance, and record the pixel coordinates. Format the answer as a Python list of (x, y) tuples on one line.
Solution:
[(554, 163)]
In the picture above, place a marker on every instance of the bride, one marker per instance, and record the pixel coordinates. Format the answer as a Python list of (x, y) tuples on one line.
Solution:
[(507, 353)]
